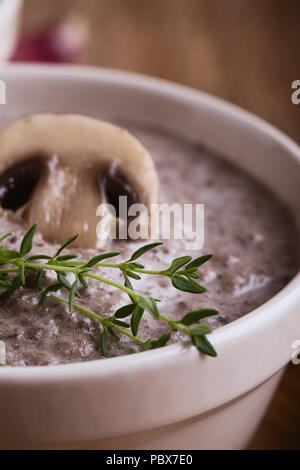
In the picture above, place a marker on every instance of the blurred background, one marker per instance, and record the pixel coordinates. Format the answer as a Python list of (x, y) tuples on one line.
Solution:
[(245, 51)]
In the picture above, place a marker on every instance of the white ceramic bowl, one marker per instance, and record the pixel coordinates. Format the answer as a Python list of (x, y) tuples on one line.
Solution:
[(172, 397), (9, 26)]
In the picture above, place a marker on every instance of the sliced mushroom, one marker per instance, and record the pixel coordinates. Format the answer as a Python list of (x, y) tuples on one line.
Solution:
[(58, 168)]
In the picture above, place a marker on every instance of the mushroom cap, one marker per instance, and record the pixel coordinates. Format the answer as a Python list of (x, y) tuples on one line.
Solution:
[(77, 156)]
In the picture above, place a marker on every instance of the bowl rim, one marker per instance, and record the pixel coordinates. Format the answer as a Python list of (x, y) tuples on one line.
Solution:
[(252, 320)]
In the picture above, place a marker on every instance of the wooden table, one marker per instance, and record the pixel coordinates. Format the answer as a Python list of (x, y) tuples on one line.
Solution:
[(246, 51)]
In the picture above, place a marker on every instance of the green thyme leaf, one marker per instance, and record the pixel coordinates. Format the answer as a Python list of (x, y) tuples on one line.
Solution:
[(196, 315), (26, 245), (200, 330), (8, 255), (64, 245), (134, 265), (198, 261), (48, 290), (72, 294), (38, 257), (104, 342), (4, 283), (120, 323), (113, 333), (63, 280), (125, 311), (99, 258), (159, 343), (65, 283), (133, 275), (202, 343), (149, 304), (5, 236), (136, 318), (15, 284), (39, 279), (82, 280), (66, 257), (194, 275), (143, 250), (128, 284), (177, 263), (186, 285)]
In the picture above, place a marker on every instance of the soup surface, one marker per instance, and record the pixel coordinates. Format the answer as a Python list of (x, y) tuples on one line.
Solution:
[(249, 231)]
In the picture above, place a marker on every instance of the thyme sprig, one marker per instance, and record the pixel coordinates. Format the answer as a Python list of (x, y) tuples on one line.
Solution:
[(182, 272)]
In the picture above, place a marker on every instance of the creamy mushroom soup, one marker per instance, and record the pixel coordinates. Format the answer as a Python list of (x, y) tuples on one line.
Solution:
[(249, 231)]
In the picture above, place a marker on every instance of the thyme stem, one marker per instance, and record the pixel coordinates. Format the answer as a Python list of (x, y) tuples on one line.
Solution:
[(95, 316), (182, 273)]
